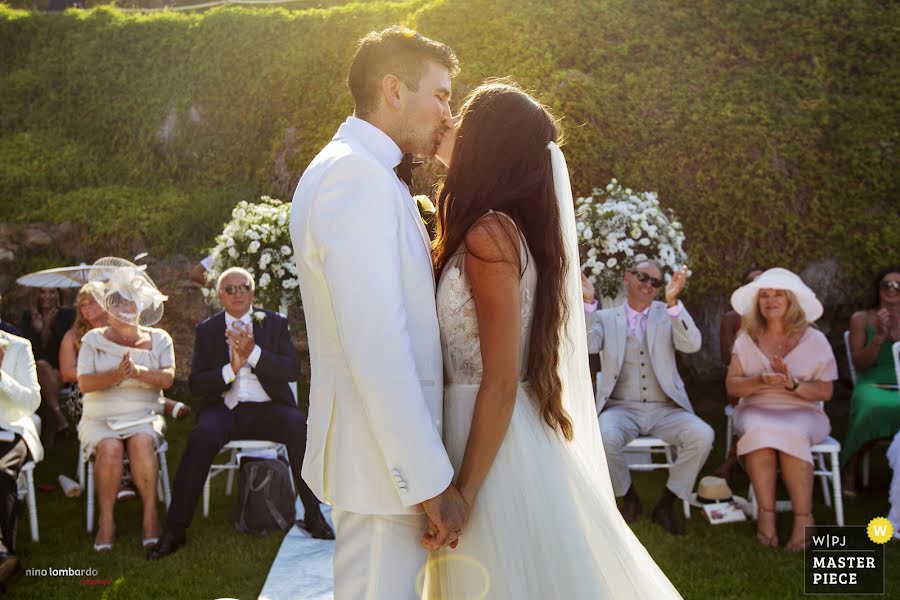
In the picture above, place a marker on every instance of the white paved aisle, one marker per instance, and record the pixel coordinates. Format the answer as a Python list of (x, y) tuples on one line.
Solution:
[(302, 567)]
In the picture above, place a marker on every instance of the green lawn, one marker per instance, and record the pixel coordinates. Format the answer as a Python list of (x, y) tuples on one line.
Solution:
[(720, 562)]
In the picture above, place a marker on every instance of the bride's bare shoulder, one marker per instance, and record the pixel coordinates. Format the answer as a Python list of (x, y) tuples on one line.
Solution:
[(494, 237)]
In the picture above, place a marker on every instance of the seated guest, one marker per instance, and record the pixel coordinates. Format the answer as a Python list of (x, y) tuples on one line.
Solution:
[(728, 331), (782, 369), (243, 363), (640, 391), (19, 399), (874, 411), (44, 325), (90, 315), (8, 327), (122, 370), (198, 272)]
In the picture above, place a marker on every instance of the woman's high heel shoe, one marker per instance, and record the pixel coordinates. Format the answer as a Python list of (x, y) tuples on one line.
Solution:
[(766, 540)]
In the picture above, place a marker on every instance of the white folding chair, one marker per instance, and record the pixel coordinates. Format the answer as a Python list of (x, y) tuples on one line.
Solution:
[(895, 350), (850, 357), (26, 492), (852, 367), (163, 490), (645, 447), (234, 448), (829, 477), (729, 428)]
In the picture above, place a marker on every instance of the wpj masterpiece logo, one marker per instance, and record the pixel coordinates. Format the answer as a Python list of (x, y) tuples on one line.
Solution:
[(847, 560)]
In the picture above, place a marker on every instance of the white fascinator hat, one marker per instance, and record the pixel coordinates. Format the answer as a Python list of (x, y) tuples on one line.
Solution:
[(744, 298), (126, 292)]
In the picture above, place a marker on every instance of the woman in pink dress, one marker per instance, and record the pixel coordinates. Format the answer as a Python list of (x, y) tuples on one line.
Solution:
[(782, 369)]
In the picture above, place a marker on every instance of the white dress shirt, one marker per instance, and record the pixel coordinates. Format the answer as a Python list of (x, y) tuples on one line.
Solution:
[(247, 387)]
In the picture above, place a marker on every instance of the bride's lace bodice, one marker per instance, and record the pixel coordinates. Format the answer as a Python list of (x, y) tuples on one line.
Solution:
[(459, 324)]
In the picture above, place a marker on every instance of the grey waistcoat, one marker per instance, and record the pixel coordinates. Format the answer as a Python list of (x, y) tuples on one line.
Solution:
[(637, 382)]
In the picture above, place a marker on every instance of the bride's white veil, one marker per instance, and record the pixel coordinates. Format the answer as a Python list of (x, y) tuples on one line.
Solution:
[(577, 392)]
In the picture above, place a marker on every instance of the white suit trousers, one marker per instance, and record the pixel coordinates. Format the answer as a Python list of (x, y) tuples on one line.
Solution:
[(377, 557)]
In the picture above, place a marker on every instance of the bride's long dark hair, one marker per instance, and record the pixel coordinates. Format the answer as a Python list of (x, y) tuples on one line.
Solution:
[(501, 162)]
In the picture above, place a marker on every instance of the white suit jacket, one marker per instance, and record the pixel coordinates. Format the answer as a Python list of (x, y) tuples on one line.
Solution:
[(20, 394), (364, 264), (665, 335)]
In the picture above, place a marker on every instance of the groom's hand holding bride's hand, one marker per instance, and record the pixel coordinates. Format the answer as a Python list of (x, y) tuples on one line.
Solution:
[(447, 513)]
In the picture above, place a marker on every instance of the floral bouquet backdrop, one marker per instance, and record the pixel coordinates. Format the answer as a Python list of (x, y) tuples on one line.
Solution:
[(618, 227), (258, 239)]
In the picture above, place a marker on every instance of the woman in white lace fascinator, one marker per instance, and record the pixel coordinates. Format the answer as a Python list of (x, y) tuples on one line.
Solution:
[(123, 369), (519, 420)]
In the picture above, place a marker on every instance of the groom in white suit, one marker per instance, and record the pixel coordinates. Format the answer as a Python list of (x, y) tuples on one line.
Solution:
[(374, 449)]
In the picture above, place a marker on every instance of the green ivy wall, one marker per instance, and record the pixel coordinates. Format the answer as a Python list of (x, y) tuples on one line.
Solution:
[(770, 127)]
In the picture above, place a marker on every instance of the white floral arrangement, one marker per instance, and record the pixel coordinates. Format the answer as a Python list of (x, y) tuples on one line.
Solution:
[(258, 239), (618, 227)]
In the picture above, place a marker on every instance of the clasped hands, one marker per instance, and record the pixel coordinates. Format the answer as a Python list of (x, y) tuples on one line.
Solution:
[(780, 375), (447, 515), (127, 368), (240, 339)]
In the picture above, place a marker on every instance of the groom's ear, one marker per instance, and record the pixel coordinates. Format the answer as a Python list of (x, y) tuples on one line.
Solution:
[(391, 91)]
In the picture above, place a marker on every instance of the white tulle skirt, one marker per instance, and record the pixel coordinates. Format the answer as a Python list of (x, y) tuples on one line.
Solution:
[(540, 527)]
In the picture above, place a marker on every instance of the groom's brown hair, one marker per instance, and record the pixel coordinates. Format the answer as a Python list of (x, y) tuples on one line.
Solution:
[(399, 51)]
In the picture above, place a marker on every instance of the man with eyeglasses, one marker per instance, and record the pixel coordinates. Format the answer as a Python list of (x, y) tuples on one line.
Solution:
[(243, 364), (640, 391)]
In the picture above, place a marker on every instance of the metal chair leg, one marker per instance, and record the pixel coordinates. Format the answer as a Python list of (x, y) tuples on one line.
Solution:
[(32, 505), (836, 482), (90, 496), (164, 479), (206, 497), (823, 479)]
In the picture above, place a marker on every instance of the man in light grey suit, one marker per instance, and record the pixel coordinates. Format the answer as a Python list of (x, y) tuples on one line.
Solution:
[(640, 391)]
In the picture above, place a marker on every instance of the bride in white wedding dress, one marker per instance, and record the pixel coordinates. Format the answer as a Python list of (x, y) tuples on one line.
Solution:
[(519, 420)]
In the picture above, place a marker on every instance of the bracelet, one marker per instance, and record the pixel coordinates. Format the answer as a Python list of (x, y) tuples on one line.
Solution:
[(794, 387)]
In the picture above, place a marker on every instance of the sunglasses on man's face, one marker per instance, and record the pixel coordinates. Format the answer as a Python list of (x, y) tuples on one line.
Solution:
[(890, 285), (231, 290), (644, 278)]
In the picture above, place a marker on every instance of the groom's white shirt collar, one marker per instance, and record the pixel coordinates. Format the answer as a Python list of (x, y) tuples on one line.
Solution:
[(380, 144)]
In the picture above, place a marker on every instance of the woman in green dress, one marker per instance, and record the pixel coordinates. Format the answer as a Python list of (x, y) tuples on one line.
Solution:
[(874, 406)]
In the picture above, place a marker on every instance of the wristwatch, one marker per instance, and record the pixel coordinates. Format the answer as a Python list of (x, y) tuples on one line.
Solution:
[(794, 387)]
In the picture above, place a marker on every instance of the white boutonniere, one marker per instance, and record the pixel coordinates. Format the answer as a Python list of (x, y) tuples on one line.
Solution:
[(4, 343), (259, 316)]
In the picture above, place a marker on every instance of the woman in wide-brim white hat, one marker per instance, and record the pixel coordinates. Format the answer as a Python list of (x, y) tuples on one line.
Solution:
[(782, 369)]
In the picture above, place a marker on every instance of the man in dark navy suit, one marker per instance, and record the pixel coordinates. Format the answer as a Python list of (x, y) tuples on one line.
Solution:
[(243, 363)]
